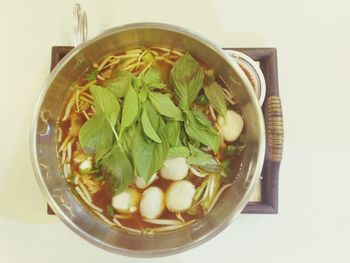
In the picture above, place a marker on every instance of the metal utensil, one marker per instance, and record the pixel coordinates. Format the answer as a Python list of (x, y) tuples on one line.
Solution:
[(80, 26)]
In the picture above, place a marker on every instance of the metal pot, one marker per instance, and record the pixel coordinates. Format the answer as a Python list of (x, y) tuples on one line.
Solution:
[(46, 164)]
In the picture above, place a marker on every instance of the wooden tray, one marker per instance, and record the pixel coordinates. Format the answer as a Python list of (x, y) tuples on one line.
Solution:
[(267, 202)]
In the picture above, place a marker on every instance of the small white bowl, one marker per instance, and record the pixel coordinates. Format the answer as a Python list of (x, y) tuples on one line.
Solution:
[(252, 71)]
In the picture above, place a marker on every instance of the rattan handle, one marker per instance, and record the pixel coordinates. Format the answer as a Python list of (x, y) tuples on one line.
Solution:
[(274, 123)]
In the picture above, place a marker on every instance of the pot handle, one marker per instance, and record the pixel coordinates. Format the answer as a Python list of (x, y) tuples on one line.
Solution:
[(274, 128)]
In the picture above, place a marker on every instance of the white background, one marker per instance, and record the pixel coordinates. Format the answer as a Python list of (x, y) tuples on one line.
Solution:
[(313, 42)]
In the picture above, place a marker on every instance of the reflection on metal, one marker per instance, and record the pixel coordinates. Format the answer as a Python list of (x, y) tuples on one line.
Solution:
[(43, 123), (237, 81), (46, 173), (248, 180), (58, 196)]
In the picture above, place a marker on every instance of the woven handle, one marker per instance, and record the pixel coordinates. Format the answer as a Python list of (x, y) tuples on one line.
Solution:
[(274, 121)]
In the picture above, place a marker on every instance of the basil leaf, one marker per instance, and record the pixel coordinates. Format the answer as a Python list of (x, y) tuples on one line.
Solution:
[(199, 157), (200, 116), (187, 77), (153, 115), (148, 57), (129, 138), (143, 93), (142, 152), (216, 98), (197, 131), (130, 110), (149, 156), (152, 79), (178, 151), (148, 128), (119, 170), (96, 136), (174, 128), (91, 75), (161, 149), (120, 84), (165, 106), (105, 102)]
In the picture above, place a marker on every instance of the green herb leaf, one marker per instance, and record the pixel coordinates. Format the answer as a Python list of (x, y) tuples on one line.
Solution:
[(153, 115), (143, 93), (110, 210), (200, 116), (174, 128), (178, 151), (165, 106), (202, 99), (120, 84), (229, 150), (129, 138), (202, 133), (149, 156), (148, 128), (130, 110), (152, 79), (199, 157), (216, 98), (91, 75), (161, 149), (118, 168), (187, 77), (148, 57), (142, 153), (105, 102), (96, 135), (100, 178)]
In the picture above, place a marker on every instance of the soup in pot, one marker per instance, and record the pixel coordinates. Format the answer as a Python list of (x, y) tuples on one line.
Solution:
[(149, 138)]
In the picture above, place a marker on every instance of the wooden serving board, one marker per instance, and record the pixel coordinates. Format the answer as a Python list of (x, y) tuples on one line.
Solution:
[(265, 199)]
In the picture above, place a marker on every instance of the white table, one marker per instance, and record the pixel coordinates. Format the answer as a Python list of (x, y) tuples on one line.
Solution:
[(313, 41)]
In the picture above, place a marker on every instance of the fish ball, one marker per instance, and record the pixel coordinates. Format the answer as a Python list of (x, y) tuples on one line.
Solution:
[(178, 197), (126, 202), (174, 169), (152, 203), (231, 126)]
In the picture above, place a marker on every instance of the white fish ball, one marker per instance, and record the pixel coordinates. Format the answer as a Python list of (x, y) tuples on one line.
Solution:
[(174, 169), (152, 203), (231, 126), (126, 202), (179, 195)]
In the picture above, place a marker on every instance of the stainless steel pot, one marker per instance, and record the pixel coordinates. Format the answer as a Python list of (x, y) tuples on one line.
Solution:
[(46, 164)]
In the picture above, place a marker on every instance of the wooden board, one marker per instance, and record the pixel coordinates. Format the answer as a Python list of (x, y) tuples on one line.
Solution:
[(267, 57)]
